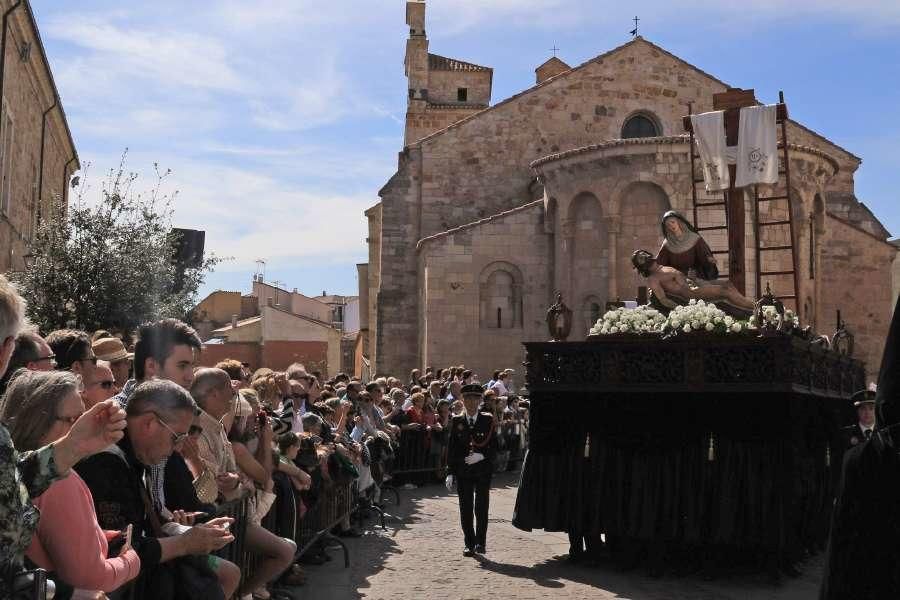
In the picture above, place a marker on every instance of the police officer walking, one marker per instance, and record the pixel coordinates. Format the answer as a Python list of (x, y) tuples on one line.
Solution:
[(470, 454)]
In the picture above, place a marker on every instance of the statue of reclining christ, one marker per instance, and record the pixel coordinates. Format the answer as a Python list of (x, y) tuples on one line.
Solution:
[(669, 285)]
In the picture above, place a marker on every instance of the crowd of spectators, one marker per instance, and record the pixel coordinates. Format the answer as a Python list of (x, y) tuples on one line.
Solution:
[(134, 474)]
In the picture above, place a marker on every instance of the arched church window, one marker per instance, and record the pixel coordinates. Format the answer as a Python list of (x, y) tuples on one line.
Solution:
[(595, 312), (639, 126), (500, 297)]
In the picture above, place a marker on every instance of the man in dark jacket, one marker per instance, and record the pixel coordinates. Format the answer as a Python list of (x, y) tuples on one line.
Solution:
[(863, 551), (472, 445), (862, 430)]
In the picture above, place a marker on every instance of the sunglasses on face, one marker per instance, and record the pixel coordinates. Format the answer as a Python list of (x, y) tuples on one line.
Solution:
[(51, 358)]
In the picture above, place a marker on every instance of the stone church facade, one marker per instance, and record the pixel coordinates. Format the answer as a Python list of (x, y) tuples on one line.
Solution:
[(495, 208)]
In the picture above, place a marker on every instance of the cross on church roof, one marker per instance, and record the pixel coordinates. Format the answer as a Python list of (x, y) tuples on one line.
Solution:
[(634, 31), (554, 49)]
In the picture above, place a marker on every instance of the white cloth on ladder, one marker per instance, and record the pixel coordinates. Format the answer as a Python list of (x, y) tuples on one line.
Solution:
[(757, 149), (709, 133)]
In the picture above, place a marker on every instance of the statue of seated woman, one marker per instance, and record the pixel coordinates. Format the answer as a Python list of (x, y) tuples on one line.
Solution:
[(670, 287), (684, 249)]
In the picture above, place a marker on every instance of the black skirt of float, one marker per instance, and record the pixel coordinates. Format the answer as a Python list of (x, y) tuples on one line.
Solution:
[(705, 445)]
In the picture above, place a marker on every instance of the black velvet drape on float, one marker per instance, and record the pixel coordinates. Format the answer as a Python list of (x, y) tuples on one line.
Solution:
[(650, 408)]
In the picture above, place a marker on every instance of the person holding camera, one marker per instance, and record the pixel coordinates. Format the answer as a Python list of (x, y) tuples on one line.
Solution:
[(470, 452)]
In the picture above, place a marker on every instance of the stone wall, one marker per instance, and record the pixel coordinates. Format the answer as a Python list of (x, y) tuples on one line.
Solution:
[(26, 190), (443, 86), (855, 279), (430, 119), (455, 269)]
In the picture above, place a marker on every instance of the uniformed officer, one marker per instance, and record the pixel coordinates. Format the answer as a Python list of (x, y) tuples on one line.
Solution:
[(470, 454), (864, 401)]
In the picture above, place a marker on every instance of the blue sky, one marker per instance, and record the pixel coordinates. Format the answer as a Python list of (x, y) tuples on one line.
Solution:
[(281, 119)]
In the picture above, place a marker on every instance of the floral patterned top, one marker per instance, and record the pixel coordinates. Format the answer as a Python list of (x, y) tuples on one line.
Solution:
[(22, 477)]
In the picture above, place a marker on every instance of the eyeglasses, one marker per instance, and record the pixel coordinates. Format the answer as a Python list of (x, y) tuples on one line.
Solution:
[(51, 358), (177, 438), (70, 420)]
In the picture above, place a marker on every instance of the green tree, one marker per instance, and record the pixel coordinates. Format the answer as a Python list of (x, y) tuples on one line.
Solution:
[(110, 263)]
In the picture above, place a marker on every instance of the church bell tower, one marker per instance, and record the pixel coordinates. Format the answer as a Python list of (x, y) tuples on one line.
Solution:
[(416, 61), (441, 90)]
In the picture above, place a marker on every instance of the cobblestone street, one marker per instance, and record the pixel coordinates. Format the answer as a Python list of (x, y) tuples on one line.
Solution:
[(420, 557)]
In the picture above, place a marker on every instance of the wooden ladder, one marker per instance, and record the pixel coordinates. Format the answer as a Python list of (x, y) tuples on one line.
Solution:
[(785, 196), (720, 199)]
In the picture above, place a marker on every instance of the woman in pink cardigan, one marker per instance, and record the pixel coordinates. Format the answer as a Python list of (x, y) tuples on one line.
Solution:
[(38, 408)]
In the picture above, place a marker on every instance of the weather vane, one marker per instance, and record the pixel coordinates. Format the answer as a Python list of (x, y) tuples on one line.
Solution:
[(634, 31), (554, 49)]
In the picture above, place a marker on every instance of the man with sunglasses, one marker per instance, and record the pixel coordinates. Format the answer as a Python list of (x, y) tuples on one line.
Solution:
[(73, 352), (101, 387)]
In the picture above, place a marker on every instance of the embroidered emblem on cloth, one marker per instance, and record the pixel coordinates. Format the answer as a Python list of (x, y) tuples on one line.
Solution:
[(757, 160)]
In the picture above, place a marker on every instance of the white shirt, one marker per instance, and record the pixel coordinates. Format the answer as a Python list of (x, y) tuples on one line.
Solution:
[(500, 388)]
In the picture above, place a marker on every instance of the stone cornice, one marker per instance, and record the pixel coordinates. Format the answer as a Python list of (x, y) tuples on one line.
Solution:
[(455, 230), (671, 140)]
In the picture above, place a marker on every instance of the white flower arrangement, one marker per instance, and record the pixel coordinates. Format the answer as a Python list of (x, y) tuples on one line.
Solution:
[(770, 319), (699, 315), (642, 319)]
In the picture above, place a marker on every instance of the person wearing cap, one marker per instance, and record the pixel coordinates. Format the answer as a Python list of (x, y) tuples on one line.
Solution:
[(113, 351), (470, 454), (864, 401)]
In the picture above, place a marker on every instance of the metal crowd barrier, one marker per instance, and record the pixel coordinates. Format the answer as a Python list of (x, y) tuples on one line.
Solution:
[(414, 455), (237, 509), (334, 504)]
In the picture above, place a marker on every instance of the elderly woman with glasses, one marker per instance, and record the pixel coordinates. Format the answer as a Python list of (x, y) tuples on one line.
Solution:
[(40, 407)]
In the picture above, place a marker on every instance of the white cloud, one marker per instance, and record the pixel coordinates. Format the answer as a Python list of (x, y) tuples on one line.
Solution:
[(180, 59), (315, 99)]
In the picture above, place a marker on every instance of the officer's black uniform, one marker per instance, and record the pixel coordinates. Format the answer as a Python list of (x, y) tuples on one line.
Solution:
[(472, 481), (853, 435)]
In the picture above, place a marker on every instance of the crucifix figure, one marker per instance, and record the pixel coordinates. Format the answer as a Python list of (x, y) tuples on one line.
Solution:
[(634, 31)]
